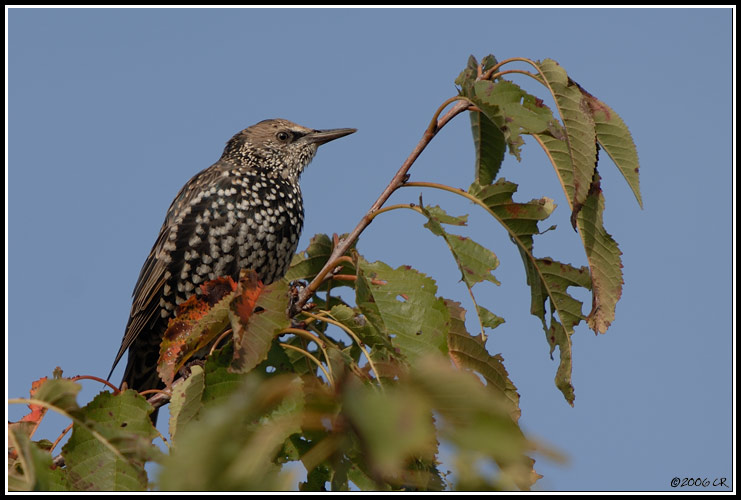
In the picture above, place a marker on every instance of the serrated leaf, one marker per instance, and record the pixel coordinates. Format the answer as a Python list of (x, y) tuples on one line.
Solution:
[(488, 318), (108, 453), (475, 262), (579, 126), (252, 340), (364, 329), (603, 253), (468, 76), (307, 264), (615, 138), (520, 219), (470, 353), (548, 279), (521, 111), (405, 307), (200, 320), (220, 381), (489, 144)]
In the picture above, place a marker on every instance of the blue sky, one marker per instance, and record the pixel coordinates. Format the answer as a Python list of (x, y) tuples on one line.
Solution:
[(111, 111)]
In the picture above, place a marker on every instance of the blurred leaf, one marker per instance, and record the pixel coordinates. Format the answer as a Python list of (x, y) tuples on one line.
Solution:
[(475, 418), (59, 393), (396, 426), (220, 381), (233, 446), (37, 412), (31, 467)]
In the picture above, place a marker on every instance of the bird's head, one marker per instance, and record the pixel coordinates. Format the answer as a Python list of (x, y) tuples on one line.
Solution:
[(278, 147)]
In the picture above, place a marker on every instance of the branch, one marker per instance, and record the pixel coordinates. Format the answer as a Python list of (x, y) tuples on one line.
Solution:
[(396, 182)]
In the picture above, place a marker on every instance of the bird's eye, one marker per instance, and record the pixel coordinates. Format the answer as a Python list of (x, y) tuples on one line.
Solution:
[(283, 136)]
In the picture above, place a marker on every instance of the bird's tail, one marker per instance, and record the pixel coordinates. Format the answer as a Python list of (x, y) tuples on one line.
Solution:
[(141, 368)]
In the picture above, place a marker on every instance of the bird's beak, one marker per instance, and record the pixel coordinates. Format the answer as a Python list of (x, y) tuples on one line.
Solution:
[(320, 137)]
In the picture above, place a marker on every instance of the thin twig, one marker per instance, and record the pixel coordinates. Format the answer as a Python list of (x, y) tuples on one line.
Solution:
[(64, 432), (397, 181), (336, 323), (96, 379), (311, 357)]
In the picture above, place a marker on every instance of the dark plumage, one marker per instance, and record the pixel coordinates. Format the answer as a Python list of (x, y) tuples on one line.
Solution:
[(244, 211)]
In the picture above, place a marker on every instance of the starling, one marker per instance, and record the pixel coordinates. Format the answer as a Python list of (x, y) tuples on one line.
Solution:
[(243, 212)]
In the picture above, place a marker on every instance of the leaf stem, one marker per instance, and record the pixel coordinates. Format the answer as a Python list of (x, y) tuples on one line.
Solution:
[(397, 181), (311, 357), (336, 323), (310, 336), (96, 379)]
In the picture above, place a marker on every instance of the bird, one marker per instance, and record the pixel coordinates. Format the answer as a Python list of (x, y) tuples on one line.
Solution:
[(243, 212)]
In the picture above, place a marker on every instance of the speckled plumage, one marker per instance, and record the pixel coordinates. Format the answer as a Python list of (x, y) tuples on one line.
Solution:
[(244, 211)]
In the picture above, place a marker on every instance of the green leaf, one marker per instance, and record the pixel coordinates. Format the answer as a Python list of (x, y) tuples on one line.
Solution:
[(31, 467), (200, 320), (615, 138), (521, 111), (488, 318), (108, 452), (579, 127), (401, 303), (604, 259), (520, 219), (234, 444), (396, 425), (603, 253), (489, 144), (220, 381), (185, 402), (365, 330), (470, 353), (548, 279), (475, 418), (60, 394), (254, 336), (307, 264), (475, 262)]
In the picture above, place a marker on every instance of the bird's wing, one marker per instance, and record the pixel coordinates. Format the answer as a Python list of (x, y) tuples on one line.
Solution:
[(152, 277)]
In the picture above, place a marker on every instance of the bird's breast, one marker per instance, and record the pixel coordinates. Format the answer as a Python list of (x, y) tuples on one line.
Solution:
[(246, 220)]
